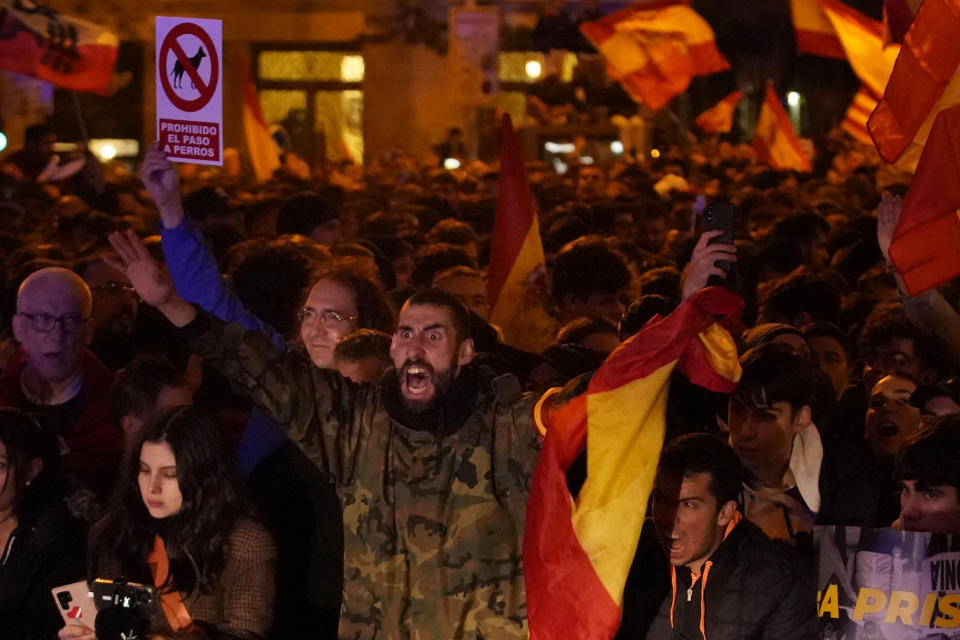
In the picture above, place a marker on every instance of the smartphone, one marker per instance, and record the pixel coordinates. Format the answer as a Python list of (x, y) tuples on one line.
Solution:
[(75, 604), (126, 595), (718, 216)]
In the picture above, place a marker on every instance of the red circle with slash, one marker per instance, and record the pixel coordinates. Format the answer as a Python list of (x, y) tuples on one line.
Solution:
[(170, 44)]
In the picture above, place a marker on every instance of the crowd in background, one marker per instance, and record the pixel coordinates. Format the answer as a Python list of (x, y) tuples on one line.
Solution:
[(845, 377)]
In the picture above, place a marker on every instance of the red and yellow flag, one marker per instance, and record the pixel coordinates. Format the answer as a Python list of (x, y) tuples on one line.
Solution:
[(65, 51), (855, 120), (897, 17), (263, 150), (863, 44), (576, 553), (655, 52), (813, 31), (925, 80), (516, 279), (774, 139), (719, 117), (926, 242)]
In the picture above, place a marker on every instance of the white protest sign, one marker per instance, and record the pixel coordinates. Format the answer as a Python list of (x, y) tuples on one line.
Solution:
[(190, 89)]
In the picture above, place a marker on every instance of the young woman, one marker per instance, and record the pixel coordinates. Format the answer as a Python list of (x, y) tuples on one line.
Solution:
[(177, 521), (42, 547)]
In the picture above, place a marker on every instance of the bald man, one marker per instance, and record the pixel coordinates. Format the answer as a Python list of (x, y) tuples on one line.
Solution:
[(53, 375)]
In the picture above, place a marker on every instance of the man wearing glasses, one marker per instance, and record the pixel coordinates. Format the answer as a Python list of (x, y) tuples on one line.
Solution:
[(53, 375)]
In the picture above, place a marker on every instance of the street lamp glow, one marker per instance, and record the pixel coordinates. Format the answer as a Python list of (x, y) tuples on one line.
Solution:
[(616, 147), (108, 152), (793, 98), (655, 153), (533, 69), (451, 163), (3, 141)]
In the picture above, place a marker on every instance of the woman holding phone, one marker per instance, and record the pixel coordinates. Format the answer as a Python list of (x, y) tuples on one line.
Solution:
[(41, 544), (177, 521)]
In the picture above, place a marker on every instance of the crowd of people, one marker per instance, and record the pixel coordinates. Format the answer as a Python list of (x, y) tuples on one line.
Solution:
[(283, 405)]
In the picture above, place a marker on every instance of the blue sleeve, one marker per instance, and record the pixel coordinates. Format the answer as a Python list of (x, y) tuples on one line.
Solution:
[(197, 279)]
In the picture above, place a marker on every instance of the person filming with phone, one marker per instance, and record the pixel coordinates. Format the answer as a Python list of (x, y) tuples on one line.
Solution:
[(177, 525)]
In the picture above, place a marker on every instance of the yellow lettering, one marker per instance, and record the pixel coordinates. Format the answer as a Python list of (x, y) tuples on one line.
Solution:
[(830, 603), (903, 605), (869, 600), (950, 609), (929, 604)]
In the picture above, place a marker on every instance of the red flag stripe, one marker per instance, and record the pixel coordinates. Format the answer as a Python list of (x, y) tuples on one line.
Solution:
[(820, 44)]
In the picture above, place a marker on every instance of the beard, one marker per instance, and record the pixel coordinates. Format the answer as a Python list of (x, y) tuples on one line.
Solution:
[(440, 381)]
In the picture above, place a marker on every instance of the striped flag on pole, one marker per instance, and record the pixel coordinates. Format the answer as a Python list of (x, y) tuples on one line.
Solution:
[(813, 31), (263, 150), (774, 139), (719, 117), (855, 119), (577, 553)]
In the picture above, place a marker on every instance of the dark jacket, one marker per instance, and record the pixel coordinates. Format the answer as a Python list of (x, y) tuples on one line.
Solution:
[(40, 555), (751, 588)]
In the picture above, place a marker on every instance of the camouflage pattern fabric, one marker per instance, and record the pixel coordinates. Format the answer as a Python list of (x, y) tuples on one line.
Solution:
[(433, 528)]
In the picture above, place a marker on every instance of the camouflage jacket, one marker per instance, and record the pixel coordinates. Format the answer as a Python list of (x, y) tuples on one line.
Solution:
[(433, 528)]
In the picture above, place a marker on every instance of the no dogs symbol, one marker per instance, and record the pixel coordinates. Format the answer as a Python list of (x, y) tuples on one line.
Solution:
[(189, 67)]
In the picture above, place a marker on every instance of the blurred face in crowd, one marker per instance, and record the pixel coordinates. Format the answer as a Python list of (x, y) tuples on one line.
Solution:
[(890, 418), (933, 508), (158, 482), (427, 354), (403, 268), (939, 406), (688, 519), (328, 233), (591, 183), (329, 314), (652, 234), (167, 397), (114, 299), (471, 290), (830, 356), (608, 306), (815, 251), (899, 355), (763, 437), (794, 343), (601, 341), (52, 323)]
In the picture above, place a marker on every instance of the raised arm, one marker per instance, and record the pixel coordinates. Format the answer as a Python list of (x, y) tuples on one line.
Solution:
[(192, 267)]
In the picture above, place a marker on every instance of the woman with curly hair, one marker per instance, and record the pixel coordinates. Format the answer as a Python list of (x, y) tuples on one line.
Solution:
[(176, 520)]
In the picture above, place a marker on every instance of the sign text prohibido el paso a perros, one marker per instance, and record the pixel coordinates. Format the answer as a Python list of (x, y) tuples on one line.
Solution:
[(190, 89)]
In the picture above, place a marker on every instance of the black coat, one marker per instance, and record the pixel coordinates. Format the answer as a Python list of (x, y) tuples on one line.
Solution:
[(756, 589)]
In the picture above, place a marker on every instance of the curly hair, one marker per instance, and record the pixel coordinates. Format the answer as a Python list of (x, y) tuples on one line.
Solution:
[(196, 535)]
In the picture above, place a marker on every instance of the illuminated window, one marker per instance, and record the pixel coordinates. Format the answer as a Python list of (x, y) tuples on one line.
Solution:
[(338, 116), (311, 66), (277, 104), (514, 103), (531, 66)]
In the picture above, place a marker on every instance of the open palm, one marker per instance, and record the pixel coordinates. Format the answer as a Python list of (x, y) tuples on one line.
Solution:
[(150, 280)]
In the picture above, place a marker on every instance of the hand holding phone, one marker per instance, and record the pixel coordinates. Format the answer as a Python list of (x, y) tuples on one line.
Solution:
[(76, 606)]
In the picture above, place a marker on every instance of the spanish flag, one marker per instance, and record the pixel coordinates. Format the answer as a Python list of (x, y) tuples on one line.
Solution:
[(774, 139), (263, 150), (855, 119), (926, 243), (863, 44), (65, 51), (719, 117), (813, 31), (577, 552), (655, 52), (516, 279), (898, 15), (925, 80)]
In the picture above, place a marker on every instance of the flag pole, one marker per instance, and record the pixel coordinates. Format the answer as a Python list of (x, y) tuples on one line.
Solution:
[(80, 120)]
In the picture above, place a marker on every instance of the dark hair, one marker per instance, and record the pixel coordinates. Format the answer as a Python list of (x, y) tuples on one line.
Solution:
[(801, 292), (304, 212), (830, 330), (440, 298), (453, 231), (577, 330), (437, 257), (773, 374), (641, 311), (704, 453), (373, 310), (206, 202), (196, 535), (137, 386), (889, 321), (587, 266), (930, 456), (800, 226), (272, 283), (363, 343), (27, 440)]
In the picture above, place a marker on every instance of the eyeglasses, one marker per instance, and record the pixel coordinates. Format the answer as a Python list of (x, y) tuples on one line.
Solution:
[(328, 317), (44, 323)]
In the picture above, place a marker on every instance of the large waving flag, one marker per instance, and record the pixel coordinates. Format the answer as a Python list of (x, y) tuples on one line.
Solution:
[(655, 52), (813, 31), (576, 553), (855, 119), (897, 17), (719, 117), (863, 44), (65, 51), (926, 243), (925, 80), (263, 150), (774, 139), (517, 274)]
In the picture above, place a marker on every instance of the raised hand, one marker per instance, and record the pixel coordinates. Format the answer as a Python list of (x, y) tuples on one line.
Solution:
[(888, 213), (702, 262), (162, 182)]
